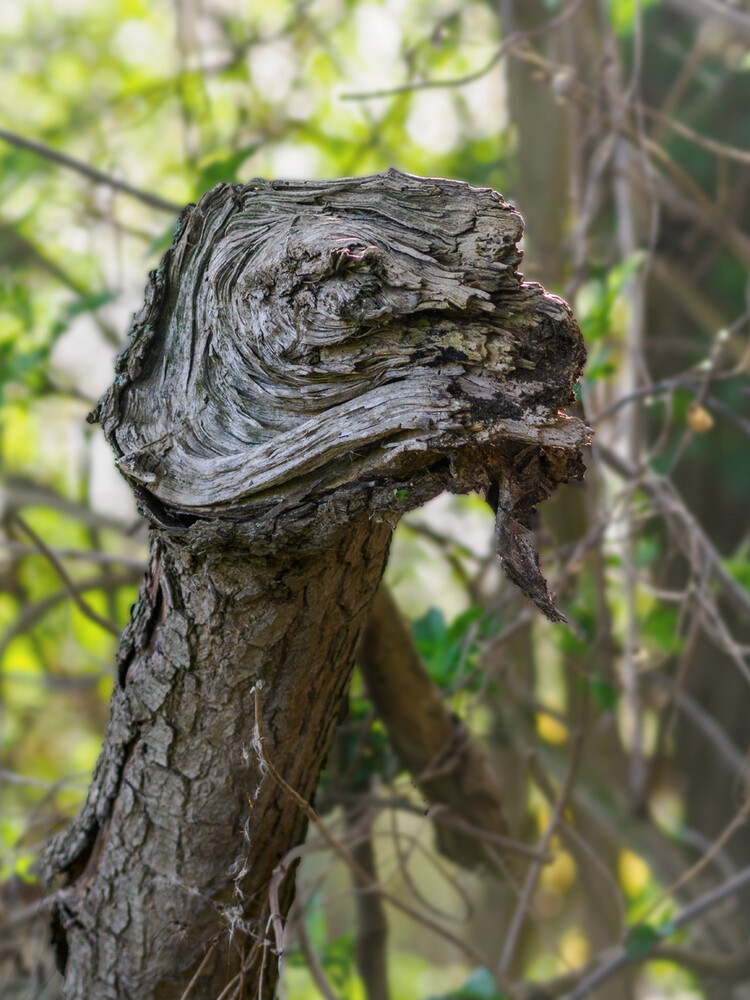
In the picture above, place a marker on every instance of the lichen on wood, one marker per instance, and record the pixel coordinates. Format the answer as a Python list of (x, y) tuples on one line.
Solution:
[(313, 360)]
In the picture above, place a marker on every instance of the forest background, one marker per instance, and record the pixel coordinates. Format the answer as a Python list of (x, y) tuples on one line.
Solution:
[(621, 132)]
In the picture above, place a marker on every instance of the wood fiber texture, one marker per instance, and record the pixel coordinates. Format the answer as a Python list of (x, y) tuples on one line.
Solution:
[(313, 360)]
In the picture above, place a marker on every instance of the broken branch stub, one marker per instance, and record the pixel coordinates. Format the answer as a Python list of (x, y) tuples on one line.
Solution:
[(302, 338), (313, 360)]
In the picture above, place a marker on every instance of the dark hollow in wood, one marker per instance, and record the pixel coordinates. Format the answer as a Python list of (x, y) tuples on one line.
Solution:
[(313, 359)]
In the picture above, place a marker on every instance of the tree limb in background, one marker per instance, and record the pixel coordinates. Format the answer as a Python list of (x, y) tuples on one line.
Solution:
[(623, 956), (70, 586), (97, 176), (446, 762), (371, 939)]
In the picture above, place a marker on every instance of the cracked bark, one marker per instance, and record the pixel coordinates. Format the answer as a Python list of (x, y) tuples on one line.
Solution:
[(312, 360)]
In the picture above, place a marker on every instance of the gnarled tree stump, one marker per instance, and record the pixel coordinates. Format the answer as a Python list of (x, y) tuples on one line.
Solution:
[(313, 360)]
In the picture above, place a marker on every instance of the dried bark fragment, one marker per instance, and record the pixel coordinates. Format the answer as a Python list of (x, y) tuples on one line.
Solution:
[(313, 359)]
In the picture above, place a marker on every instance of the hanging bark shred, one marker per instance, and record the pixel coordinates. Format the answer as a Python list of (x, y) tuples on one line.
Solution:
[(313, 360)]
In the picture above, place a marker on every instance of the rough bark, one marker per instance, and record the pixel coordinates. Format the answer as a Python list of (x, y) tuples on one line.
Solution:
[(313, 359)]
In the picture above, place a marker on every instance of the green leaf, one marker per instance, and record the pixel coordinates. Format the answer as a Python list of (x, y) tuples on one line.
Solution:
[(452, 650), (621, 274), (338, 960), (640, 940), (622, 14), (223, 169), (480, 985), (739, 566), (660, 630), (604, 693)]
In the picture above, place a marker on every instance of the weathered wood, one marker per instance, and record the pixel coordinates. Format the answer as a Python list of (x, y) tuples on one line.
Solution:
[(313, 360)]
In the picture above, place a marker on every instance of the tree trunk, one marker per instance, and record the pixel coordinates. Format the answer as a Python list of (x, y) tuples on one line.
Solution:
[(313, 360)]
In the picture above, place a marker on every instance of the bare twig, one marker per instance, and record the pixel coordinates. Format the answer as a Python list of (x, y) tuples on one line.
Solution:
[(82, 555), (619, 958), (733, 15), (708, 726), (443, 817), (461, 81), (686, 531), (70, 586), (534, 871), (339, 849), (724, 837), (196, 976), (20, 492), (726, 967), (98, 176), (31, 912), (314, 964), (23, 779), (371, 939), (32, 613)]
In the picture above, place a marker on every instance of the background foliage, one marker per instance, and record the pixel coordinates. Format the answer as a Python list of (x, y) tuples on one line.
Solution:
[(621, 132)]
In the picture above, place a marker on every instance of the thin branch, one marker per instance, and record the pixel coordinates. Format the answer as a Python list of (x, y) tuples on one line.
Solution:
[(338, 848), (70, 586), (512, 43), (578, 843), (591, 101), (371, 936), (314, 964), (737, 18), (619, 959), (684, 527), (32, 911), (201, 967), (20, 492), (707, 725), (447, 763), (739, 820), (23, 779), (440, 815), (48, 153), (83, 555), (711, 899), (461, 81), (726, 967), (32, 613), (534, 871)]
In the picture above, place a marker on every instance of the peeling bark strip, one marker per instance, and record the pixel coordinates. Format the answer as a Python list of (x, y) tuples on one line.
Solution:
[(313, 360)]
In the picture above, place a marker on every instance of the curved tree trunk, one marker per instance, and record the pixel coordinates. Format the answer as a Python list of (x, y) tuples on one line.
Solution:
[(191, 830), (312, 361)]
